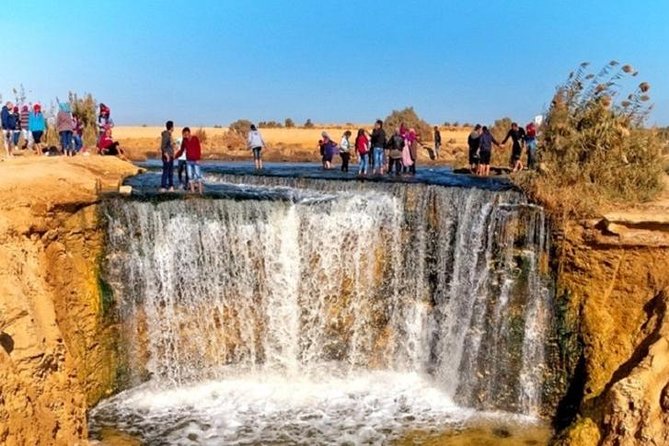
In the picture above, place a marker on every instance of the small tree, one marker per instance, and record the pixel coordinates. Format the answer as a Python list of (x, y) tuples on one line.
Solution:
[(501, 127), (410, 119), (447, 124), (309, 124), (289, 123), (241, 127)]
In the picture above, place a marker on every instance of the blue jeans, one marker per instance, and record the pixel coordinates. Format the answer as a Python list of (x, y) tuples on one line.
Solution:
[(364, 159), (78, 143), (167, 180), (378, 158), (531, 153), (66, 140), (194, 171)]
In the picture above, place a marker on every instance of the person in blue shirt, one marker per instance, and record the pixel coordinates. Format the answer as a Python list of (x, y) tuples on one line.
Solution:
[(37, 126)]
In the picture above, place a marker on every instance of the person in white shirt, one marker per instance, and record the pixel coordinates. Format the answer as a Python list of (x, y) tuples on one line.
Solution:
[(345, 150), (182, 171), (256, 144)]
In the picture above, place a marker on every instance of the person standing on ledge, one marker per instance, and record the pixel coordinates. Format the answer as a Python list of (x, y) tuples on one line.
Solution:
[(437, 141), (191, 147), (378, 144), (345, 150), (256, 144), (517, 135), (167, 154), (473, 143), (486, 140)]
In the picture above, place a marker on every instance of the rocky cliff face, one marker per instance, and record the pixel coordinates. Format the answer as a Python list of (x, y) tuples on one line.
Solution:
[(613, 280), (56, 355)]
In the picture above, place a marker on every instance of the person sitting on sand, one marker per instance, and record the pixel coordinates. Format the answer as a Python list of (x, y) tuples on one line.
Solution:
[(256, 143), (473, 143), (108, 147), (517, 135), (486, 140), (191, 146)]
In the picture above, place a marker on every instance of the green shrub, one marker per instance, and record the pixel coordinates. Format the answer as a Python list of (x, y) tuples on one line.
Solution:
[(410, 119), (594, 150), (289, 123)]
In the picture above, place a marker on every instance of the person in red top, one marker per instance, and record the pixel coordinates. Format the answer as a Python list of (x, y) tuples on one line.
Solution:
[(362, 147), (191, 145), (531, 144), (107, 146)]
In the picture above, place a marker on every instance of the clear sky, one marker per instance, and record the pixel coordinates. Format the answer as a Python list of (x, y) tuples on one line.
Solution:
[(211, 62)]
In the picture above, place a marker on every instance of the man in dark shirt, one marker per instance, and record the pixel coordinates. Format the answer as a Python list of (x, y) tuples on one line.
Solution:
[(437, 141), (167, 154), (378, 144), (517, 135), (486, 140), (473, 143)]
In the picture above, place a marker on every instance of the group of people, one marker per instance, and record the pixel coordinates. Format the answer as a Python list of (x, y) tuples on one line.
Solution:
[(481, 140), (376, 153), (187, 151), (25, 128), (22, 128)]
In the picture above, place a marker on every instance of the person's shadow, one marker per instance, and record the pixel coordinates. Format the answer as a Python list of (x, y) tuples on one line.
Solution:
[(6, 342)]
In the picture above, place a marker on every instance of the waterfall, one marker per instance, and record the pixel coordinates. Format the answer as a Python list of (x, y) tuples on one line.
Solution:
[(318, 278)]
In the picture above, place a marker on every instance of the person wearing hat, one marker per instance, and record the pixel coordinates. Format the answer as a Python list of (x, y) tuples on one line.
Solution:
[(37, 127)]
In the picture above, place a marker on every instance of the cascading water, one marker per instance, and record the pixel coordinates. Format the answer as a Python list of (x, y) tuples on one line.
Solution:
[(325, 312)]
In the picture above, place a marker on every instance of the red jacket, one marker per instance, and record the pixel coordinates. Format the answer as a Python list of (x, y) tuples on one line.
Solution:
[(192, 148)]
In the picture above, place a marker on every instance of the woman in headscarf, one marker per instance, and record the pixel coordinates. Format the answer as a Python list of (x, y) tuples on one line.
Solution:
[(104, 120), (65, 128)]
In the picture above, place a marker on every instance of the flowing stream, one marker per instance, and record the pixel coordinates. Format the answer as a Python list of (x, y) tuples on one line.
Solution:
[(325, 312)]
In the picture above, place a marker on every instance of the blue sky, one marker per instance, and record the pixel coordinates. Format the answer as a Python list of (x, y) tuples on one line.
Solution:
[(211, 62)]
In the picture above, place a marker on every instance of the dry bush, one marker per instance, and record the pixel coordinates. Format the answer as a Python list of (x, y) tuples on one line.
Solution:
[(201, 135), (241, 127), (410, 119), (594, 149)]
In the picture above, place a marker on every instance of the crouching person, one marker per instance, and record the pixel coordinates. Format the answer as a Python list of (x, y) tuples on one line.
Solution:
[(190, 145)]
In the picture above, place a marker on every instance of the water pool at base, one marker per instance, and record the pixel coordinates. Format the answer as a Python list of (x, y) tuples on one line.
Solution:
[(360, 408)]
